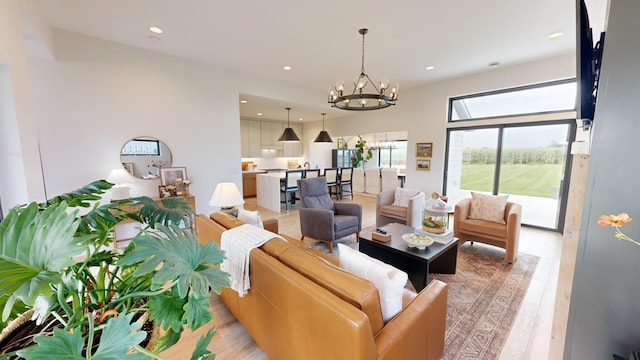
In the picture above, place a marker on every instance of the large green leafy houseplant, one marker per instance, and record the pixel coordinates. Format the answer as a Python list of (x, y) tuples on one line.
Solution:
[(62, 266), (360, 157)]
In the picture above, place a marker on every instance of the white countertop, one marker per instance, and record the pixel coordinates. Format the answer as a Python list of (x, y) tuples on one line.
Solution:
[(273, 174)]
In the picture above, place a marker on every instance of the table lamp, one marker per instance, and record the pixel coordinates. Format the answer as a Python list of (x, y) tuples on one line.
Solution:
[(227, 197), (120, 190)]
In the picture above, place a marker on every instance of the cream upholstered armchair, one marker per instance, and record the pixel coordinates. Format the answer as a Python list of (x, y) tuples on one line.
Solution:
[(474, 228), (400, 205)]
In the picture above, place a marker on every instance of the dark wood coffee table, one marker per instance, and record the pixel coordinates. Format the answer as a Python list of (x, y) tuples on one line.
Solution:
[(437, 258)]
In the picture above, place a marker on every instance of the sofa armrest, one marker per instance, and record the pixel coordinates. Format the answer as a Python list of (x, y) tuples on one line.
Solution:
[(271, 225), (460, 214), (317, 223), (350, 209), (417, 332), (513, 217), (414, 210)]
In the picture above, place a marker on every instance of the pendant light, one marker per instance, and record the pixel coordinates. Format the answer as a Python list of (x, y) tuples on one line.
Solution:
[(288, 135), (323, 136)]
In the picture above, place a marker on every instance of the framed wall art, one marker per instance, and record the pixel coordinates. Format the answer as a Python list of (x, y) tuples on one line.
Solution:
[(424, 150), (173, 176), (424, 165)]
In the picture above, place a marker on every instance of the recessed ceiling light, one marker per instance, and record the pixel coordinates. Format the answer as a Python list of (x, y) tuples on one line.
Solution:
[(555, 35), (430, 67), (259, 114), (155, 30), (243, 101), (287, 67), (494, 63), (300, 119)]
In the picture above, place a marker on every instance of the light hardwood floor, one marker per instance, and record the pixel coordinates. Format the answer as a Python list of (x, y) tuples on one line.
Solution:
[(529, 337)]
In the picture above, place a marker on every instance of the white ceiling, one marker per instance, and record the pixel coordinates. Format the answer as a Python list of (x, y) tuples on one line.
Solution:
[(320, 39)]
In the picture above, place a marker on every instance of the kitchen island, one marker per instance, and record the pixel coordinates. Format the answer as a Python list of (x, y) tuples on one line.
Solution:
[(249, 182), (268, 190)]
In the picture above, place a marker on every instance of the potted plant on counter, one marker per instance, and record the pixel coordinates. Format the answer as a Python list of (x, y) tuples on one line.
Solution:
[(88, 300)]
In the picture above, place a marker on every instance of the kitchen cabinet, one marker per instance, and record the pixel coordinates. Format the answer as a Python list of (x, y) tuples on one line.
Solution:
[(270, 133), (294, 149), (342, 157), (250, 138), (249, 183)]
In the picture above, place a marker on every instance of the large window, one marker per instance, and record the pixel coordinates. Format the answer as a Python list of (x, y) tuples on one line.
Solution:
[(540, 98), (394, 156), (528, 160)]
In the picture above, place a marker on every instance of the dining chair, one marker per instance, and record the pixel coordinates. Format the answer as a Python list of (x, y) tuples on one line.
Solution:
[(372, 180), (346, 182), (389, 177), (311, 173), (331, 174), (290, 187)]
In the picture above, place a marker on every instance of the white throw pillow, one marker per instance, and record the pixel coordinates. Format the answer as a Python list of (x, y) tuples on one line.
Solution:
[(250, 217), (488, 207), (387, 279), (403, 196)]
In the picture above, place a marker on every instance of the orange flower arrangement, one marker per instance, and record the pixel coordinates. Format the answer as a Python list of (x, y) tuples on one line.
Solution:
[(617, 221)]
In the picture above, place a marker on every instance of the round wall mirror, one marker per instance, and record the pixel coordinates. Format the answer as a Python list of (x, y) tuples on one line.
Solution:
[(143, 157)]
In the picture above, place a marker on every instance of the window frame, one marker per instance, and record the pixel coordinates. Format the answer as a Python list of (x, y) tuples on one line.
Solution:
[(504, 91)]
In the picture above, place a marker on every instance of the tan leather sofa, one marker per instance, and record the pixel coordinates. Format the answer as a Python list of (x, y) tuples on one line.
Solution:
[(506, 236), (302, 305)]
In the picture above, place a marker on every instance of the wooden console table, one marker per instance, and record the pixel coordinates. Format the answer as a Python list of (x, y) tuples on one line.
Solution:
[(190, 200)]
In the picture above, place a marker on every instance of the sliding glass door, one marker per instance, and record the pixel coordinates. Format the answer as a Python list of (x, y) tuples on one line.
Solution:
[(526, 161)]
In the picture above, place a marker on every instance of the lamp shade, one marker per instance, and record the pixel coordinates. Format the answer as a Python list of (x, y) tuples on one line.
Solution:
[(226, 195), (288, 135), (323, 136), (119, 177)]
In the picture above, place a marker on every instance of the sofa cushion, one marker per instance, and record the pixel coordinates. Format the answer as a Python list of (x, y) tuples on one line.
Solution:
[(473, 226), (395, 211), (488, 207), (387, 279), (250, 217), (403, 196), (353, 289)]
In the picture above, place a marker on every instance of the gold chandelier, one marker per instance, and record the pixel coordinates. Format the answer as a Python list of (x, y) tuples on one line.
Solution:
[(359, 99)]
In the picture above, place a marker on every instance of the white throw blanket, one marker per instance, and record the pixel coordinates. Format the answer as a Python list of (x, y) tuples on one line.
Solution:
[(237, 243)]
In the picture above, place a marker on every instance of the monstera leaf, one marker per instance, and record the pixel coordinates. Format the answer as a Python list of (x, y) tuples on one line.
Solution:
[(176, 256), (82, 197), (181, 257), (174, 211), (118, 336), (35, 248)]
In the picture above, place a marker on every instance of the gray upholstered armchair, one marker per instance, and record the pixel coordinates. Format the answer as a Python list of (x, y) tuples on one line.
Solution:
[(323, 219)]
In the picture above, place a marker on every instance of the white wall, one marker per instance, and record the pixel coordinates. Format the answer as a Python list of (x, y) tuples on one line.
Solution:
[(98, 94), (20, 177), (422, 111)]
